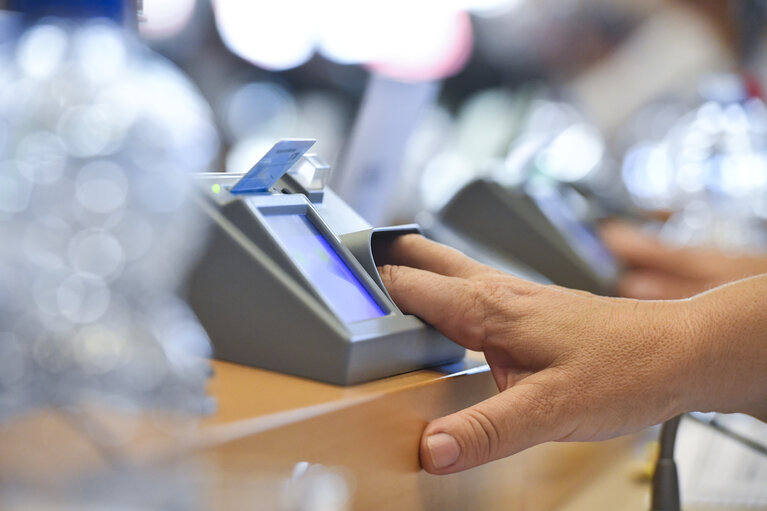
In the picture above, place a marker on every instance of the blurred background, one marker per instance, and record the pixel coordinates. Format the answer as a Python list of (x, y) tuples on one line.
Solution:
[(651, 110), (650, 107)]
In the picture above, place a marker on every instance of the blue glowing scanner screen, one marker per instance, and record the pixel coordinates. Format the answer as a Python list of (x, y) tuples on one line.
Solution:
[(335, 282)]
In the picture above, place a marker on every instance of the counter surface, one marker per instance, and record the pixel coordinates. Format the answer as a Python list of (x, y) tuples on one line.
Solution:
[(245, 455)]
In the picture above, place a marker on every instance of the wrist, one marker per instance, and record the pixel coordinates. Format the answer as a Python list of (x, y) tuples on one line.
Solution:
[(657, 350), (675, 324), (730, 352)]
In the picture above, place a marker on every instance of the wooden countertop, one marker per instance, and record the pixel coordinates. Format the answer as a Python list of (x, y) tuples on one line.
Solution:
[(267, 423), (245, 392), (245, 455)]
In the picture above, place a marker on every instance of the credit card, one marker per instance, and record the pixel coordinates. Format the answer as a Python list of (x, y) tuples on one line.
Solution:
[(275, 163)]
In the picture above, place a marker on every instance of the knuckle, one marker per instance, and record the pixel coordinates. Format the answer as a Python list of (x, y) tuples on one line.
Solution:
[(388, 274), (499, 293), (487, 308), (491, 293), (550, 404), (541, 402), (473, 314), (484, 435)]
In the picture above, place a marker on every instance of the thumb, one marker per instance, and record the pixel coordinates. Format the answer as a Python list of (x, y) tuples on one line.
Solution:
[(515, 419)]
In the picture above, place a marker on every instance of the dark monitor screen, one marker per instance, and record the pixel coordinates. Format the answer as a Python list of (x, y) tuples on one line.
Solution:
[(324, 268)]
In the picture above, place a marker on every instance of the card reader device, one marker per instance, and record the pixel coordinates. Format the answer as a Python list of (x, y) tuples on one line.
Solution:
[(535, 226), (288, 281)]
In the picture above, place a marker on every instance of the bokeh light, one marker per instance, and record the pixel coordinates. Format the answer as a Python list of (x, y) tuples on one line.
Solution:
[(709, 170), (572, 154), (94, 188), (165, 18), (272, 35), (255, 114), (407, 40), (717, 151)]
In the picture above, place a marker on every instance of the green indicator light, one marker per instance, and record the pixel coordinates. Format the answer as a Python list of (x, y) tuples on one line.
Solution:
[(216, 188)]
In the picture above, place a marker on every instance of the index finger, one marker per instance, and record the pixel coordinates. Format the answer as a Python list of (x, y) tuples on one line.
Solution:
[(456, 307), (415, 251)]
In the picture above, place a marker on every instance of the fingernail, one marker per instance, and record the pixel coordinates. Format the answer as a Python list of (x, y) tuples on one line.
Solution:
[(443, 449)]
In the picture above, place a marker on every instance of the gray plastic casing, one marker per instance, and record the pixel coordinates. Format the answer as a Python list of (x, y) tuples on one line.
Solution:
[(260, 310), (512, 224)]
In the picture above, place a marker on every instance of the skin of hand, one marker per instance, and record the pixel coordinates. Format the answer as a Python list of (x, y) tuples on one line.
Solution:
[(569, 365), (656, 271)]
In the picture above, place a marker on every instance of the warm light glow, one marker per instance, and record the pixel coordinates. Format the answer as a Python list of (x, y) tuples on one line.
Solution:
[(273, 35), (359, 32), (426, 39), (165, 18), (422, 54), (489, 8)]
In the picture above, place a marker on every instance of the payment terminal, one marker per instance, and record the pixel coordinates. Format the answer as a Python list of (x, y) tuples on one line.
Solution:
[(534, 226), (288, 281)]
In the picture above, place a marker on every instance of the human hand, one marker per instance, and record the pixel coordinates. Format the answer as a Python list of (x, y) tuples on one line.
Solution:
[(659, 271), (569, 365)]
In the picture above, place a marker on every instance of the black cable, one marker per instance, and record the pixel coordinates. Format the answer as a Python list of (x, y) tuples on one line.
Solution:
[(665, 481)]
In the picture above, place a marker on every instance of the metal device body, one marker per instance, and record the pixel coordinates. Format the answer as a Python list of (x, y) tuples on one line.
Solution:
[(261, 309), (513, 225)]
